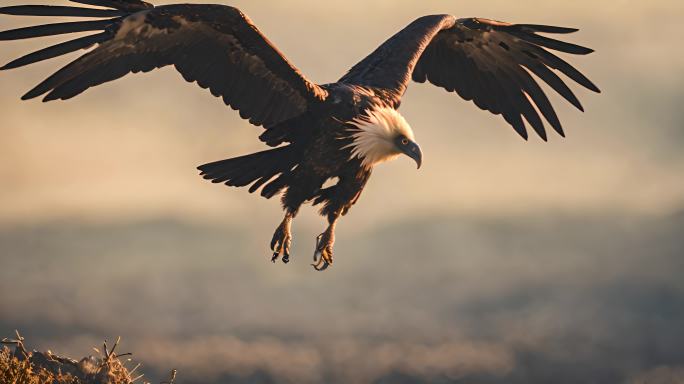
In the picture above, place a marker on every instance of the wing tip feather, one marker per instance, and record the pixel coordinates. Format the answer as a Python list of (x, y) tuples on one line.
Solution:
[(57, 10), (11, 65), (593, 87), (548, 28)]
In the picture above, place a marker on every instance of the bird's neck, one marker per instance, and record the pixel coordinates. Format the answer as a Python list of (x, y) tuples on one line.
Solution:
[(374, 135)]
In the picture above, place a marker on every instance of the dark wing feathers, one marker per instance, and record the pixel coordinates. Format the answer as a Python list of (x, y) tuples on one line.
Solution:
[(54, 29), (53, 10), (488, 62), (57, 50), (544, 28), (504, 54), (216, 46), (124, 5), (390, 65)]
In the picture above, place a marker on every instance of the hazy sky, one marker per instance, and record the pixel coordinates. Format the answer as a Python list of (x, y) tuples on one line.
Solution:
[(499, 261)]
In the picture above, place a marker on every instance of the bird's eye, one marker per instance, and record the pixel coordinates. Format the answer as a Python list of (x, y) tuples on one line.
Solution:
[(404, 141)]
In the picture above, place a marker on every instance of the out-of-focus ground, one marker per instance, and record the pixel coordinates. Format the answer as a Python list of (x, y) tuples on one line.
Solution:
[(499, 261), (561, 300)]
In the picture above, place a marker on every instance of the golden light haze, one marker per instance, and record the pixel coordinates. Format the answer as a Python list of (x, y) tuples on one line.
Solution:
[(499, 261), (129, 148)]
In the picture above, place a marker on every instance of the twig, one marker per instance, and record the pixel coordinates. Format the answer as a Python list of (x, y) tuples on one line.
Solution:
[(134, 369), (18, 343), (116, 344), (172, 380)]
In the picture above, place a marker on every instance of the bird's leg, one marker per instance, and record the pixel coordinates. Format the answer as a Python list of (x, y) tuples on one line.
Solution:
[(282, 239), (323, 255)]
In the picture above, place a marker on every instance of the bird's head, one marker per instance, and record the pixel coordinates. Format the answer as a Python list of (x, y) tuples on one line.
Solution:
[(383, 134)]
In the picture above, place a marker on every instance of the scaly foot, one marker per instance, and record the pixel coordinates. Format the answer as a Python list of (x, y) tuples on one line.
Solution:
[(323, 256), (282, 239)]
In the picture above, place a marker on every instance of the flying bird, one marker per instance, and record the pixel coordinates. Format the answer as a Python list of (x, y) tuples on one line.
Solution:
[(319, 132)]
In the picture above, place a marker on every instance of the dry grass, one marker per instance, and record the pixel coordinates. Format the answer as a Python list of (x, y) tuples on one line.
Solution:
[(20, 366), (15, 371)]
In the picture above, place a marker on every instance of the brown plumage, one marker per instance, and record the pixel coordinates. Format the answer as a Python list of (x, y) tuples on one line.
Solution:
[(339, 130)]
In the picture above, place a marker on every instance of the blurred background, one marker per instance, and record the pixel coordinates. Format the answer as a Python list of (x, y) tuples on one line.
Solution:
[(500, 261)]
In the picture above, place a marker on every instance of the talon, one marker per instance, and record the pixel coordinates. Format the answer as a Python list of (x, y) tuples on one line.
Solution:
[(324, 267), (328, 257), (282, 238), (321, 265), (317, 253), (323, 255)]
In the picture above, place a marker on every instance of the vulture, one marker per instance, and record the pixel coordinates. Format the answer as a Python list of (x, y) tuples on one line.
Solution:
[(317, 132)]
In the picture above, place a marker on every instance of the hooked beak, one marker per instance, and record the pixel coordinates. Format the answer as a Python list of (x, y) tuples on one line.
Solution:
[(412, 150)]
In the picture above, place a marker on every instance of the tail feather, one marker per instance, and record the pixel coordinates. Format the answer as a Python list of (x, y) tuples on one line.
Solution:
[(274, 186), (258, 168)]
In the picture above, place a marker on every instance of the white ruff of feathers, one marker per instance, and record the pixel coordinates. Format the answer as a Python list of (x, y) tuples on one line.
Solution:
[(374, 135)]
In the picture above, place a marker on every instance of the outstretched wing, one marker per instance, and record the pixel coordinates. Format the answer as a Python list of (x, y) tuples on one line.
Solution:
[(216, 46), (486, 61)]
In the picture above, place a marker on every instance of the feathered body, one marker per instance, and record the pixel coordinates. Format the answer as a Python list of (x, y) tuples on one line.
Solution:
[(356, 133), (319, 132)]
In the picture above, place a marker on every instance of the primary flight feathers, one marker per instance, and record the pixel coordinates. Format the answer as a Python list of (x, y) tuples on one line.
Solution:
[(482, 60), (216, 46)]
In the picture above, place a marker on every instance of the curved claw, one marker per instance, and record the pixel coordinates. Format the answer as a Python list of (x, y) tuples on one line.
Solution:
[(323, 256), (322, 265), (282, 248), (317, 253), (275, 241), (323, 262)]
